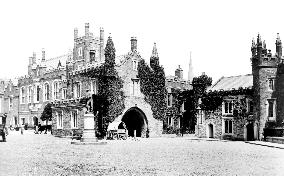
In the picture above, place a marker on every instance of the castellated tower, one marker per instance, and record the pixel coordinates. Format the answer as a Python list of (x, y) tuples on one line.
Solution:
[(88, 49), (265, 81)]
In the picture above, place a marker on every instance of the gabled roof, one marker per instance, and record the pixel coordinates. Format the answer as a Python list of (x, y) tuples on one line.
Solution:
[(233, 82), (53, 63)]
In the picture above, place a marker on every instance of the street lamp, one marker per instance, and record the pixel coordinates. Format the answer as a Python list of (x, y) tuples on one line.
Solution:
[(199, 115)]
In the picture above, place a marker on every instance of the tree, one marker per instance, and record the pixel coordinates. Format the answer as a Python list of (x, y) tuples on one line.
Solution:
[(152, 85), (47, 113), (111, 97), (199, 84)]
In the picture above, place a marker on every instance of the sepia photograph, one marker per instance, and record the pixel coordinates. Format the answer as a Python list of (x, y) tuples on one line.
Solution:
[(134, 88)]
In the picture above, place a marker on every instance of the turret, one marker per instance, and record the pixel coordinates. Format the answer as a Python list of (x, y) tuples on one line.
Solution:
[(154, 59), (259, 46), (253, 48), (278, 46), (264, 50)]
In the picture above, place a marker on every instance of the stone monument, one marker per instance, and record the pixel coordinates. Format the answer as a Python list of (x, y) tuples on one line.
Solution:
[(89, 132)]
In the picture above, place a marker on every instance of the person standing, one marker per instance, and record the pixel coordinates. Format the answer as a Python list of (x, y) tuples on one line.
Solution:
[(22, 129)]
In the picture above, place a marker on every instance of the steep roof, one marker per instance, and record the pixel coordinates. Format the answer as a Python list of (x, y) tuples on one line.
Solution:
[(53, 63), (233, 82)]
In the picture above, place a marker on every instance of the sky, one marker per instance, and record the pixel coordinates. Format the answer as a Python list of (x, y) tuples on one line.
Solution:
[(218, 33)]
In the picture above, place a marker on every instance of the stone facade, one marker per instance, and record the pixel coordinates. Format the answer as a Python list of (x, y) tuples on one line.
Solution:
[(11, 103), (175, 112), (268, 79), (223, 125), (233, 119), (45, 82), (126, 65)]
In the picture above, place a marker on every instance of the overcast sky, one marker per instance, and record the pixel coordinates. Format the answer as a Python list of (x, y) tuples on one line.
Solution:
[(218, 33)]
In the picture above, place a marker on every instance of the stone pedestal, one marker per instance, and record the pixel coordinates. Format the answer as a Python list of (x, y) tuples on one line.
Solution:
[(89, 133)]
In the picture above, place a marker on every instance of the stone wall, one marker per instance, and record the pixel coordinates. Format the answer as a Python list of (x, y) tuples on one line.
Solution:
[(67, 130), (127, 72)]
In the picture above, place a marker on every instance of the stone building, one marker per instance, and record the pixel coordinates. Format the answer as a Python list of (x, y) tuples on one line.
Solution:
[(225, 122), (45, 82), (268, 79), (264, 107), (68, 115), (11, 103), (2, 102), (174, 112)]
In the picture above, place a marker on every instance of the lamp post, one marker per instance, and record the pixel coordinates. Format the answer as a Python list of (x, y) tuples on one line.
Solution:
[(199, 115)]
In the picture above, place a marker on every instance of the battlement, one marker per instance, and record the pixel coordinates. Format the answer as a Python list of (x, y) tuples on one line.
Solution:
[(263, 57)]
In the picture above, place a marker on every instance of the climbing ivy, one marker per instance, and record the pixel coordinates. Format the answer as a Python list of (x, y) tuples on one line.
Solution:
[(152, 85), (110, 99), (213, 99)]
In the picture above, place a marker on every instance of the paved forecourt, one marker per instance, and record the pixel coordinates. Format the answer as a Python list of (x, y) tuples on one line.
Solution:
[(43, 154)]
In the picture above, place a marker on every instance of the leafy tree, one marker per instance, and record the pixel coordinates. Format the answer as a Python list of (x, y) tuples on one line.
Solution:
[(199, 84), (47, 113), (152, 85), (111, 97)]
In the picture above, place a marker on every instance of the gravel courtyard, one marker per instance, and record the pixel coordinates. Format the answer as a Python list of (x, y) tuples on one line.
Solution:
[(43, 154)]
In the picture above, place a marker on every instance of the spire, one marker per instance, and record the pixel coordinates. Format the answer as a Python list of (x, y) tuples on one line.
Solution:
[(154, 59), (190, 70), (264, 44), (154, 51), (253, 47), (59, 64), (252, 43), (259, 40)]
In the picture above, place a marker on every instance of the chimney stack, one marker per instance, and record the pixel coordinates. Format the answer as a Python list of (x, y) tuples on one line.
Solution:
[(87, 29), (75, 33), (43, 55), (179, 72), (133, 44), (101, 44), (34, 58)]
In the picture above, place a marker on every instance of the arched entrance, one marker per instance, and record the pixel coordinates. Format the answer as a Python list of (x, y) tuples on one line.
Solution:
[(135, 119), (250, 131), (210, 131)]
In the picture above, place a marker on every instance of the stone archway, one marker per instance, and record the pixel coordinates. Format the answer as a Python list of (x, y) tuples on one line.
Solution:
[(210, 131), (135, 119)]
